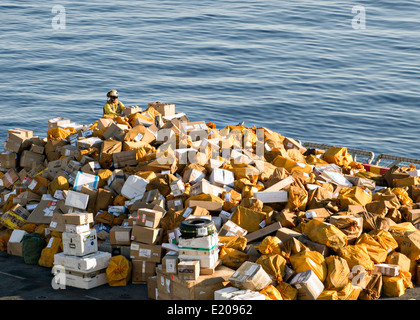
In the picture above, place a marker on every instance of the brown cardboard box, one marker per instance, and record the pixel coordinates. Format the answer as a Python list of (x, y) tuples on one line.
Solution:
[(148, 218), (321, 214), (43, 213), (176, 204), (124, 158), (250, 276), (189, 270), (208, 205), (146, 235), (15, 248), (414, 216), (115, 131), (28, 159), (271, 228), (171, 287), (170, 263), (9, 178), (152, 292), (165, 109), (142, 270), (37, 149), (131, 110), (308, 285), (8, 160), (77, 218), (290, 143), (120, 235), (146, 252), (104, 123), (315, 246), (285, 234), (230, 228), (59, 121), (57, 223)]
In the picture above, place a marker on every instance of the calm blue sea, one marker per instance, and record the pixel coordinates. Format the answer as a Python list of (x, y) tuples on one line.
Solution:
[(300, 67)]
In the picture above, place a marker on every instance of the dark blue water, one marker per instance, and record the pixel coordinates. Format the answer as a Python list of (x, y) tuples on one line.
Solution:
[(296, 67)]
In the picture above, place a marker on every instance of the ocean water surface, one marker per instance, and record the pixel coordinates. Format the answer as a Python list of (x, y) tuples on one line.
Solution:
[(301, 68)]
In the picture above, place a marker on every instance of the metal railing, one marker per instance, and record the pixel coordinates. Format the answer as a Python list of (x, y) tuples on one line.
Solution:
[(368, 157), (358, 155)]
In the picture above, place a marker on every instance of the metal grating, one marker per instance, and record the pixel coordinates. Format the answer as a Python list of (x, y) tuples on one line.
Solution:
[(358, 155), (388, 160)]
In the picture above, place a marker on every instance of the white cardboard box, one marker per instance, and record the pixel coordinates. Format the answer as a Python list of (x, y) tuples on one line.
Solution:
[(78, 279), (83, 178), (80, 244), (77, 200), (308, 285), (272, 196), (222, 177), (91, 262), (134, 186)]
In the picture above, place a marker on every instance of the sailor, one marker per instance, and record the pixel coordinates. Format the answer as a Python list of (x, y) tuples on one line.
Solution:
[(113, 106)]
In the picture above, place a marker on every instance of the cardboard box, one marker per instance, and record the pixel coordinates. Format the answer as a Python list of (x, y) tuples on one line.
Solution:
[(115, 131), (240, 295), (15, 244), (193, 125), (77, 218), (142, 270), (176, 204), (171, 287), (91, 262), (146, 252), (267, 230), (120, 235), (192, 176), (208, 205), (280, 185), (359, 220), (43, 212), (314, 246), (203, 186), (165, 109), (80, 244), (207, 242), (208, 257), (15, 248), (272, 196), (290, 143), (131, 110), (400, 259), (28, 159), (321, 214), (146, 235), (104, 123), (232, 229), (125, 158), (250, 276), (308, 285), (222, 177), (8, 160), (134, 186), (77, 200), (9, 178), (170, 263), (57, 223), (189, 270), (77, 228), (149, 218), (285, 234), (388, 270), (82, 178), (177, 188), (413, 216), (77, 279)]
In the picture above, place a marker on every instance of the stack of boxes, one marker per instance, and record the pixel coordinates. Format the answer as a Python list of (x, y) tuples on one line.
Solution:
[(146, 243), (80, 264)]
